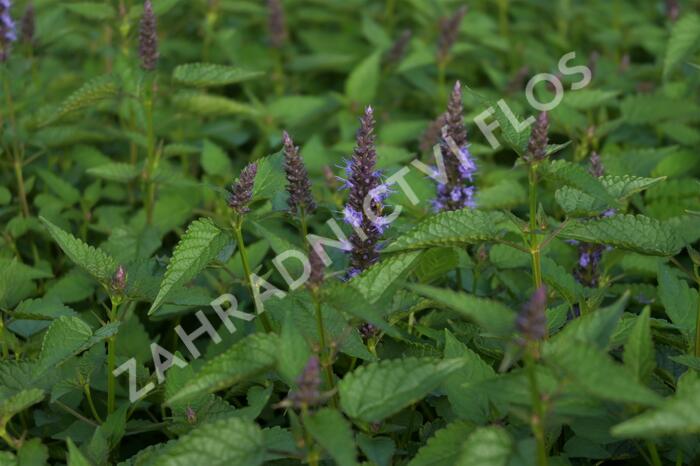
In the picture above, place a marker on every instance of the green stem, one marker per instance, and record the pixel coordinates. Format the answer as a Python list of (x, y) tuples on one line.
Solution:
[(151, 159), (327, 359), (21, 192), (303, 228), (238, 228), (697, 321), (534, 237), (88, 395), (389, 13), (655, 458), (538, 411), (111, 362), (442, 96)]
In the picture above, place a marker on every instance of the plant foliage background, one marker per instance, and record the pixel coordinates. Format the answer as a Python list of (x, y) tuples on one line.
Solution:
[(117, 227)]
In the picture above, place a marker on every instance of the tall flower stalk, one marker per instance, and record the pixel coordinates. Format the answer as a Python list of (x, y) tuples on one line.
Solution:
[(365, 202), (117, 289), (300, 200), (278, 36), (240, 197), (536, 154), (456, 191), (148, 54), (447, 36)]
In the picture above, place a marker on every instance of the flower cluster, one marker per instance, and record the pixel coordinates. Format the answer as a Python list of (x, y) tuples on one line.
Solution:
[(537, 145), (449, 31), (398, 48), (308, 390), (298, 183), (242, 191), (8, 33), (367, 193), (148, 38), (28, 25), (531, 322), (456, 191), (276, 23), (317, 269)]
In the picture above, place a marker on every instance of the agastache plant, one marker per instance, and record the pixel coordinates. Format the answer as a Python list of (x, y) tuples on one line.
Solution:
[(398, 48), (367, 192), (449, 31), (456, 191), (28, 25), (276, 23), (300, 200), (8, 33), (148, 38), (242, 190)]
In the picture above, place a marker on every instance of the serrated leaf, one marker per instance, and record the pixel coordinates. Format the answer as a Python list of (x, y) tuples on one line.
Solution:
[(639, 349), (678, 415), (486, 446), (493, 316), (679, 299), (361, 86), (209, 105), (595, 372), (635, 232), (459, 227), (440, 449), (270, 177), (374, 282), (576, 176), (250, 356), (18, 403), (585, 99), (67, 336), (93, 260), (378, 390), (226, 442), (622, 186), (62, 188), (294, 351), (201, 243), (91, 93), (122, 172), (332, 431), (212, 75), (684, 39)]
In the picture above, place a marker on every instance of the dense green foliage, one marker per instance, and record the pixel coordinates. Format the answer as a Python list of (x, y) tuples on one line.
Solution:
[(555, 323)]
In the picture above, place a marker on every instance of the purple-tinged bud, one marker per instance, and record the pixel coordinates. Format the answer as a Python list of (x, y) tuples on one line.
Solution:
[(330, 178), (368, 330), (517, 82), (8, 32), (28, 25), (118, 284), (531, 322), (454, 119), (398, 48), (242, 190), (363, 181), (191, 415), (625, 63), (537, 145), (673, 10), (148, 38), (317, 269), (276, 23), (298, 183), (593, 60), (449, 32), (307, 393), (596, 169)]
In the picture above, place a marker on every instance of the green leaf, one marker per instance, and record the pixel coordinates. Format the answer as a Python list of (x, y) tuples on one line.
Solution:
[(493, 316), (678, 415), (92, 10), (32, 453), (62, 188), (18, 403), (122, 172), (458, 228), (246, 358), (212, 75), (75, 456), (586, 99), (270, 177), (68, 336), (93, 260), (486, 446), (201, 243), (639, 349), (623, 186), (294, 351), (215, 160), (221, 443), (440, 449), (211, 105), (377, 390), (374, 282), (633, 232), (684, 39), (332, 431), (362, 83), (595, 372), (679, 299), (90, 94), (574, 175)]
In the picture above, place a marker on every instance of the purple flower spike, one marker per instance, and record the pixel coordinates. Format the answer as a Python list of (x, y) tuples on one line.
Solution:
[(532, 320), (148, 38), (364, 182), (8, 32), (298, 182), (242, 190)]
